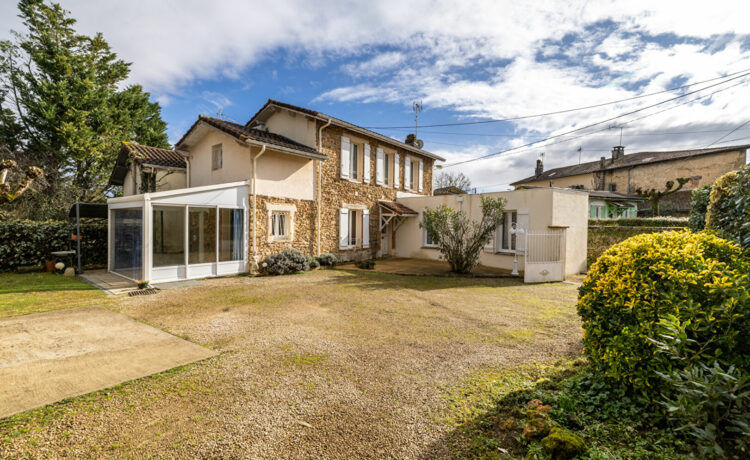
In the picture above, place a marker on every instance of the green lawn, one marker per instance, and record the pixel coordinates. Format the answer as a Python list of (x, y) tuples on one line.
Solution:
[(21, 294)]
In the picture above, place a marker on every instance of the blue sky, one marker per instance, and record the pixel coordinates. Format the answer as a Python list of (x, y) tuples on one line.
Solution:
[(366, 62)]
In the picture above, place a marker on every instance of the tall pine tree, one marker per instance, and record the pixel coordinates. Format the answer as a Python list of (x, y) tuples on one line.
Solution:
[(63, 107)]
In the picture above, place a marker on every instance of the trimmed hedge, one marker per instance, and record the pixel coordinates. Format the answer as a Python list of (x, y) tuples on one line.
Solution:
[(26, 242), (698, 278), (678, 222), (729, 206), (698, 208)]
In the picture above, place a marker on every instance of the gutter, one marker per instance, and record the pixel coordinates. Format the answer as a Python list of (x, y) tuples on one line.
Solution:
[(320, 178), (255, 217)]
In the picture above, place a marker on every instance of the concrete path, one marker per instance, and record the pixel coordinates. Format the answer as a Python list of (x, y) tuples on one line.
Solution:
[(50, 356), (109, 282)]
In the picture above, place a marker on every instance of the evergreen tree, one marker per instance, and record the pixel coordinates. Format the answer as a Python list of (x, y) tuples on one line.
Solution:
[(63, 107)]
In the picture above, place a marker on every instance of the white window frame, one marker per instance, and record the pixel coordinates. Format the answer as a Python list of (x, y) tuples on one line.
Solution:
[(503, 231), (425, 242), (281, 208), (217, 157), (353, 161)]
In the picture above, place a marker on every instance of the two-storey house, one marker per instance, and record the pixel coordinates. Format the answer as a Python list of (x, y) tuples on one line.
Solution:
[(289, 177)]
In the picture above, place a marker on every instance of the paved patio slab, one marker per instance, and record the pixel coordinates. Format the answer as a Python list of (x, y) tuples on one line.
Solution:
[(46, 357)]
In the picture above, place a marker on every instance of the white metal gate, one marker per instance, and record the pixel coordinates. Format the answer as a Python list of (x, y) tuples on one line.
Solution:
[(545, 256)]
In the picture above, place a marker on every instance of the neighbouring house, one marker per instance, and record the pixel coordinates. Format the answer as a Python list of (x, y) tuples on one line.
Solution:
[(450, 190), (292, 177), (612, 182)]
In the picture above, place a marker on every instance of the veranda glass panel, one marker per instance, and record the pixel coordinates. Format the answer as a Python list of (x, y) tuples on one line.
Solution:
[(169, 236), (202, 234), (231, 234), (127, 243)]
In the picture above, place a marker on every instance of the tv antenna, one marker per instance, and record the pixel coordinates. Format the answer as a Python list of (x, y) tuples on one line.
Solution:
[(580, 149), (417, 107), (620, 127), (220, 115)]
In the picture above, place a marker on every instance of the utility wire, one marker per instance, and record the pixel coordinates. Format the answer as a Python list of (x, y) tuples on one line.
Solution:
[(727, 134), (522, 117), (630, 121), (599, 122)]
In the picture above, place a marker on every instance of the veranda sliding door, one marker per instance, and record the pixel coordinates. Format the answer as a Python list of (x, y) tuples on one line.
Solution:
[(127, 242)]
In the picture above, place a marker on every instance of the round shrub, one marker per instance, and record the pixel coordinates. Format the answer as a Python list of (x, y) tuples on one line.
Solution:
[(696, 277), (327, 259), (729, 206), (286, 261), (698, 207)]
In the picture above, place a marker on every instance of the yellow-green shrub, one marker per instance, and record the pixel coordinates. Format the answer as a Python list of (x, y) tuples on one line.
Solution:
[(729, 206), (693, 276)]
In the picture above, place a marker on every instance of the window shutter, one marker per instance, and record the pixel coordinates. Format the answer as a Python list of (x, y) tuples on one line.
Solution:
[(421, 175), (346, 149), (343, 228), (366, 168), (380, 166), (365, 228), (396, 170), (407, 173)]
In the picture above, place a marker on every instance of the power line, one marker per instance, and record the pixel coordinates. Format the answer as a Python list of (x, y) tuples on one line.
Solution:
[(727, 134), (522, 117), (604, 121)]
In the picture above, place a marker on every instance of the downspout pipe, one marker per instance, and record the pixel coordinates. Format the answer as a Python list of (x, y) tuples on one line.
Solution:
[(255, 205), (186, 155), (320, 177)]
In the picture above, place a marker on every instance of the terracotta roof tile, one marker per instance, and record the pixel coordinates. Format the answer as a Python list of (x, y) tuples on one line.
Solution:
[(397, 208), (154, 155), (244, 133)]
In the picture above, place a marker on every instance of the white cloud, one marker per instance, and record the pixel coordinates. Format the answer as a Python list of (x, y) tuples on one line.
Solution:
[(477, 57)]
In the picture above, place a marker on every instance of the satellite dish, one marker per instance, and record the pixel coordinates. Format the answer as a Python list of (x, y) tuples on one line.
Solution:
[(420, 143)]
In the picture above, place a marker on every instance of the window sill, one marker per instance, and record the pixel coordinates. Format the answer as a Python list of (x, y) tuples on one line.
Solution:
[(430, 247), (506, 252), (280, 240)]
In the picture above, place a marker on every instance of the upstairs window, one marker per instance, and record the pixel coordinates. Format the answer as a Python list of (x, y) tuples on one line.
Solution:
[(386, 169), (216, 157), (612, 187)]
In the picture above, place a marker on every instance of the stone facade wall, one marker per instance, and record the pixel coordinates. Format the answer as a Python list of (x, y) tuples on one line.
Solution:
[(304, 227), (338, 192)]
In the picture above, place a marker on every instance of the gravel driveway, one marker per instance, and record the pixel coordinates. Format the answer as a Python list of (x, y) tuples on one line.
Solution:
[(328, 364)]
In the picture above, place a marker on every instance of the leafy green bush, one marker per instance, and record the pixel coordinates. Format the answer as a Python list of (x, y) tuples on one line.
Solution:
[(314, 263), (729, 206), (678, 222), (286, 261), (695, 276), (26, 242), (698, 207), (327, 259), (711, 403)]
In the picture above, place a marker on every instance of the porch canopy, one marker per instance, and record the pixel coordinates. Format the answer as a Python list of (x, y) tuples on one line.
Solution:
[(393, 211), (179, 234)]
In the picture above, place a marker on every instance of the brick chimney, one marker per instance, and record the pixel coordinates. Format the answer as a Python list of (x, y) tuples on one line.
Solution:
[(539, 168), (618, 152)]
